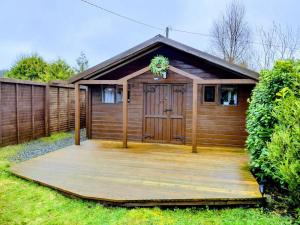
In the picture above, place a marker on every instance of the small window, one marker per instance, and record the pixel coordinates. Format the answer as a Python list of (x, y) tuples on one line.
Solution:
[(209, 93), (108, 94), (119, 94), (112, 94), (228, 95)]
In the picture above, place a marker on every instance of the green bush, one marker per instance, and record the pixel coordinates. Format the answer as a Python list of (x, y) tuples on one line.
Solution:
[(273, 127), (34, 67), (284, 147), (59, 70)]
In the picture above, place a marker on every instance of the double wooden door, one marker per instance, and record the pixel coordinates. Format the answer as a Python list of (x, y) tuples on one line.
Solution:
[(164, 113)]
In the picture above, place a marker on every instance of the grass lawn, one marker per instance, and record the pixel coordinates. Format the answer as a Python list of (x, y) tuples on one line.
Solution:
[(24, 202)]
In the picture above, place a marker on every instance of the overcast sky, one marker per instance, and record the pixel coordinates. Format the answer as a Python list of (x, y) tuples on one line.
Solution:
[(64, 28)]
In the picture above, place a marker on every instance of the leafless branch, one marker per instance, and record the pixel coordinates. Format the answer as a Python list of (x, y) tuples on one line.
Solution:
[(232, 34), (277, 43)]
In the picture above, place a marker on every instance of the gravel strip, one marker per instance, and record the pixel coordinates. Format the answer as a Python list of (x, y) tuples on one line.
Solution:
[(36, 148)]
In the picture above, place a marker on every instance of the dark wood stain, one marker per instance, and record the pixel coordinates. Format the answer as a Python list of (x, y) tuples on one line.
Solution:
[(30, 110), (164, 113), (216, 124), (177, 59)]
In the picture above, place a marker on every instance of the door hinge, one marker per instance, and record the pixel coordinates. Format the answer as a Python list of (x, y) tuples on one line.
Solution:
[(182, 90), (181, 138), (149, 89), (148, 136)]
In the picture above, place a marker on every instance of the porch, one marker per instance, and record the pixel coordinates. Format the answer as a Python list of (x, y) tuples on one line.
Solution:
[(161, 107), (146, 174)]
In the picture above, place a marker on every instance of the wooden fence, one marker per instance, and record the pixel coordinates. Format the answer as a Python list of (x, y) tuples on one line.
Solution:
[(29, 110)]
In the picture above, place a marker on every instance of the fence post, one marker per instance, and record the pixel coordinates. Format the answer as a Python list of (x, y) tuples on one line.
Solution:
[(58, 109), (68, 109), (47, 110), (17, 114), (32, 112)]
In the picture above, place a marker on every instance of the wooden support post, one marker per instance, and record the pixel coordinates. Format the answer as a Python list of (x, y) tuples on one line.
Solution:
[(47, 110), (125, 113), (77, 114), (17, 114), (194, 117), (32, 112), (88, 112)]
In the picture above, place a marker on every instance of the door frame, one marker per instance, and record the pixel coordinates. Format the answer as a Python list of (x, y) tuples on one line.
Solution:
[(183, 113)]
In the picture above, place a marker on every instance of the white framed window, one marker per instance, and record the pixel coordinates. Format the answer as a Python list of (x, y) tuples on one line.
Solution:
[(229, 95), (112, 94), (108, 94)]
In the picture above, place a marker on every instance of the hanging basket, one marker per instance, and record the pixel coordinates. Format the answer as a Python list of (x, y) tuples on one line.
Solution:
[(159, 67)]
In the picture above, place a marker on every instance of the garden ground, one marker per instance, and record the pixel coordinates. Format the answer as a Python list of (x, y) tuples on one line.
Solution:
[(24, 202)]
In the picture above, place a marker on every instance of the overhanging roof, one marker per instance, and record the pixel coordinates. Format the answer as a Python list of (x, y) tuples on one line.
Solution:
[(151, 43)]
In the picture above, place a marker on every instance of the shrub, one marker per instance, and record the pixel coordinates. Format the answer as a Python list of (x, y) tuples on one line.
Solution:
[(34, 67), (260, 117), (284, 148), (59, 70), (273, 124)]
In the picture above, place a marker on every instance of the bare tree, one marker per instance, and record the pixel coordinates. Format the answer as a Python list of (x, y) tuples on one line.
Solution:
[(232, 34), (288, 39), (276, 43), (269, 43)]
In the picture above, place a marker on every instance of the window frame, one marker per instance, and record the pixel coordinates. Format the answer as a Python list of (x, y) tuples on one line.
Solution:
[(215, 102), (116, 87), (237, 95)]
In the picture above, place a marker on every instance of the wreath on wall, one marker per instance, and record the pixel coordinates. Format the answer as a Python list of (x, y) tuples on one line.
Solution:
[(159, 66)]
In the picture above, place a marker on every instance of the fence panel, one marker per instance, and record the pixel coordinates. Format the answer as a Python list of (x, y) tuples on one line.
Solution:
[(29, 110)]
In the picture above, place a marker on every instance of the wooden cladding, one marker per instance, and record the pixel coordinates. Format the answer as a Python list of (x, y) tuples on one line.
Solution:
[(30, 110), (216, 124), (164, 113)]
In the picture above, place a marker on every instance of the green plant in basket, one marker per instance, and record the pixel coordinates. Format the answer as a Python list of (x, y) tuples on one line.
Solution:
[(159, 66)]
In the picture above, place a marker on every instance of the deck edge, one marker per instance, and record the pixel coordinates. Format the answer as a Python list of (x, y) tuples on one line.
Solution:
[(154, 202)]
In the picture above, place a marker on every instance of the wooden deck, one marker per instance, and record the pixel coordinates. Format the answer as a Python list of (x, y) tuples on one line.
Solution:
[(146, 174)]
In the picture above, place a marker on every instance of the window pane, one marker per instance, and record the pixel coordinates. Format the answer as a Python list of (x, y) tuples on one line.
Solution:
[(209, 93), (108, 95), (119, 94), (113, 94), (228, 95)]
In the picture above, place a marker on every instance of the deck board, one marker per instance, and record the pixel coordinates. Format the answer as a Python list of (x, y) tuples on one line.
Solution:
[(146, 174)]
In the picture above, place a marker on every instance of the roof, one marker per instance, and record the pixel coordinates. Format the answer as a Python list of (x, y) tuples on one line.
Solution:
[(151, 43)]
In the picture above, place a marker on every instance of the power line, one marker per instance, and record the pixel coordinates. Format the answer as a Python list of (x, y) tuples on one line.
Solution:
[(143, 23), (167, 29), (122, 16), (192, 32)]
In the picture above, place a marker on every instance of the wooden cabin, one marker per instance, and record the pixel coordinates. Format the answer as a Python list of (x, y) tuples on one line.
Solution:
[(203, 100)]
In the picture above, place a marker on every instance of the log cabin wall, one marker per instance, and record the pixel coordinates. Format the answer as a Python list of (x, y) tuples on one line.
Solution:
[(221, 125), (29, 110), (106, 121), (217, 124)]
